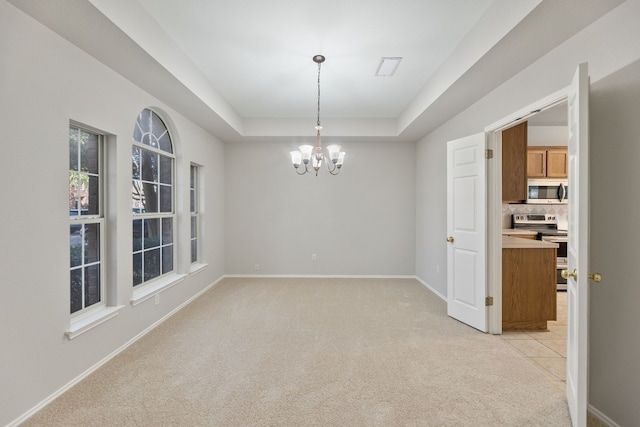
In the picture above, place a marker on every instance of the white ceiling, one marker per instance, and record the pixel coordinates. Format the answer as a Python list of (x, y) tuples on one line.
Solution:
[(257, 54), (242, 69)]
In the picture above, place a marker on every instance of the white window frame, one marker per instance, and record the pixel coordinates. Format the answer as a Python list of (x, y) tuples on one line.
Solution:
[(92, 219), (88, 318), (194, 187), (147, 289)]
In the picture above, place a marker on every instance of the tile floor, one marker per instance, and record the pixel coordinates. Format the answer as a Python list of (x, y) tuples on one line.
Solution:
[(548, 349)]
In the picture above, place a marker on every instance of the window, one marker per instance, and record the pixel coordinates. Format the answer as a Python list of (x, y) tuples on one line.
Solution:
[(152, 199), (86, 229), (194, 209)]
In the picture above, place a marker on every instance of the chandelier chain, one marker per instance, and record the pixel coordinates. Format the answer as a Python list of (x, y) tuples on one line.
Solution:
[(319, 65)]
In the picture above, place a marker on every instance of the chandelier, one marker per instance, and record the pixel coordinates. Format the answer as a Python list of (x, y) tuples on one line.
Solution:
[(312, 156)]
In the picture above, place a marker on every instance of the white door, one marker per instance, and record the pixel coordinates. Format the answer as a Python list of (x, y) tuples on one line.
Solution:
[(466, 228), (578, 246)]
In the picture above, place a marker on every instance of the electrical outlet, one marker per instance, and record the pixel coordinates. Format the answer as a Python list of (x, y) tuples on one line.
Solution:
[(314, 257), (156, 299), (256, 267)]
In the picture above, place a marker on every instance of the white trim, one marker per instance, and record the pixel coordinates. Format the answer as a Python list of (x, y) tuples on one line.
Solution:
[(155, 287), (426, 285), (601, 417), (316, 276), (494, 200), (86, 323), (197, 267), (22, 418), (528, 111)]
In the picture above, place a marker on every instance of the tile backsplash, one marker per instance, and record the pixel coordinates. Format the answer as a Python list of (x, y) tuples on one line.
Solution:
[(561, 211)]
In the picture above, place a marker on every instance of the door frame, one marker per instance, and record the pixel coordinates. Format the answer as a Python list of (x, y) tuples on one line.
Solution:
[(494, 199)]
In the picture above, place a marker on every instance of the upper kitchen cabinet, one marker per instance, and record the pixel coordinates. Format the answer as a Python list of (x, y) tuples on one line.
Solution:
[(514, 163), (547, 162)]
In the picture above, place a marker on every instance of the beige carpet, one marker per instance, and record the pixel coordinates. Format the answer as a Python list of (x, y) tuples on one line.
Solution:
[(313, 352)]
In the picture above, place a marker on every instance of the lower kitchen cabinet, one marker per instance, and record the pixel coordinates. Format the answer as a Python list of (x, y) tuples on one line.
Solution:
[(528, 288)]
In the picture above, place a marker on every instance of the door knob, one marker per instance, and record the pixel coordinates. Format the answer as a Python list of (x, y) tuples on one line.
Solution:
[(596, 277), (566, 274), (450, 239)]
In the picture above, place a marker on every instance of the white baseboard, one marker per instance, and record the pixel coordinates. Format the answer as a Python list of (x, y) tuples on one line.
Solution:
[(602, 417), (113, 354), (316, 276), (426, 285)]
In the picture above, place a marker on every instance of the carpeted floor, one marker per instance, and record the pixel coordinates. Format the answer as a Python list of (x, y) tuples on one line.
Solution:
[(313, 352)]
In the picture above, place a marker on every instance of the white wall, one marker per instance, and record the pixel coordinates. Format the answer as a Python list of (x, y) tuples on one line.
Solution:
[(547, 135), (607, 45), (44, 83), (360, 222), (614, 320)]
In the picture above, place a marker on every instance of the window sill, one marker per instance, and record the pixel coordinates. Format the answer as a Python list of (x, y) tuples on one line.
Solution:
[(154, 288), (197, 268), (84, 324)]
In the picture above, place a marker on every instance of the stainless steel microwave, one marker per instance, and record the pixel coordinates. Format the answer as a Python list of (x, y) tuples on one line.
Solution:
[(547, 191)]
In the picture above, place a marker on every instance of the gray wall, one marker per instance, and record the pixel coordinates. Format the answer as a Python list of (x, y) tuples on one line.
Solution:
[(608, 45), (44, 83), (614, 318), (360, 222)]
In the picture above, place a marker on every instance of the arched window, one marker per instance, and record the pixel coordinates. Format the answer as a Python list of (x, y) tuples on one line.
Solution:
[(152, 161)]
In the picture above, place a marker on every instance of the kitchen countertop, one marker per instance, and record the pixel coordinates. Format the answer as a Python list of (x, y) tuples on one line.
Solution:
[(509, 242)]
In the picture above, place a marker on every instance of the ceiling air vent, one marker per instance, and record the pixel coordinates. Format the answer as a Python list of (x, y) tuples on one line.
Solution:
[(388, 66)]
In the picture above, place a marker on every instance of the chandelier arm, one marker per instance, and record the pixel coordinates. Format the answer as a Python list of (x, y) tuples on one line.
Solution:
[(306, 169), (335, 170)]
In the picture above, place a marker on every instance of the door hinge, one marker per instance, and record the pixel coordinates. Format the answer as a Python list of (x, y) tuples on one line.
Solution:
[(488, 153), (488, 301)]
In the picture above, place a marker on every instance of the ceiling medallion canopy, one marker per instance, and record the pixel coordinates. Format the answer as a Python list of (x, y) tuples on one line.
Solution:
[(310, 156)]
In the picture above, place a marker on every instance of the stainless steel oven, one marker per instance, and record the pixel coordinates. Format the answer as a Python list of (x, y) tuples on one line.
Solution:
[(561, 261), (546, 225)]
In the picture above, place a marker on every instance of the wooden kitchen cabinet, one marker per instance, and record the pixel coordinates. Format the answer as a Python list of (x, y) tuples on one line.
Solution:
[(514, 163), (528, 288), (547, 162)]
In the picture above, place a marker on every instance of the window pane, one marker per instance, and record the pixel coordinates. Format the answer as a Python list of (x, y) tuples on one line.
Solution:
[(143, 126), (157, 128), (167, 259), (73, 149), (167, 231), (137, 269), (76, 290), (135, 162), (137, 235), (84, 137), (165, 143), (151, 233), (75, 245), (192, 200), (165, 198), (90, 153), (92, 243), (92, 285), (137, 205), (194, 227), (74, 194), (165, 169), (194, 250), (91, 201), (151, 264), (149, 197), (149, 166)]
